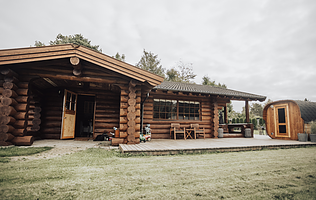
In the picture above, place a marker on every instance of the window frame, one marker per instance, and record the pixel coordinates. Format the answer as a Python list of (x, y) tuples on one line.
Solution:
[(196, 115)]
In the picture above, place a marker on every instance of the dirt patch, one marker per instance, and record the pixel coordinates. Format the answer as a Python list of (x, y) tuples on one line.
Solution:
[(62, 147)]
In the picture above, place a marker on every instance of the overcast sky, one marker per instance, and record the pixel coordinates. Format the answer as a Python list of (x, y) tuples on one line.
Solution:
[(265, 47)]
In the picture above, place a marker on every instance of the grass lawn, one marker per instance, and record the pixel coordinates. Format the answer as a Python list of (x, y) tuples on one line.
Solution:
[(102, 174)]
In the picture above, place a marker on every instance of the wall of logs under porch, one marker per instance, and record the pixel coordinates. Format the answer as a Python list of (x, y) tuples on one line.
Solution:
[(208, 113), (20, 109), (107, 111)]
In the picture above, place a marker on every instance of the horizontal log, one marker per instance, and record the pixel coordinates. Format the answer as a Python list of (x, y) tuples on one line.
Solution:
[(123, 105), (6, 128), (8, 72), (105, 125), (9, 137), (8, 101), (3, 136), (123, 120), (117, 141), (3, 143), (18, 132), (21, 107), (99, 115), (11, 86), (53, 118), (54, 130), (7, 120), (106, 120), (123, 112), (22, 92), (9, 93), (123, 127), (23, 141), (50, 124), (20, 115), (11, 79), (124, 98), (22, 99), (50, 136), (20, 124), (7, 110), (123, 134), (23, 85)]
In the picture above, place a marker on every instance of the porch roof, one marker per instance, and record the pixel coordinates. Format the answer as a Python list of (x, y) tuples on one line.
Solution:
[(32, 54), (208, 89)]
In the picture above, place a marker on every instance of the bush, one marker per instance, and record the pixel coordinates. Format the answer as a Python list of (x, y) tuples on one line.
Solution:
[(233, 120), (313, 127), (237, 120)]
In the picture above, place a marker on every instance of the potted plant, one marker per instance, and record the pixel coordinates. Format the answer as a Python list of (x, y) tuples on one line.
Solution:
[(312, 136)]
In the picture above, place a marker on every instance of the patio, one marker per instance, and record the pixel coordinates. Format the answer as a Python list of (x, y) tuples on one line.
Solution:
[(169, 146)]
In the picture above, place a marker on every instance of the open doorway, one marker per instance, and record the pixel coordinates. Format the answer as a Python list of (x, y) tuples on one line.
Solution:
[(85, 116)]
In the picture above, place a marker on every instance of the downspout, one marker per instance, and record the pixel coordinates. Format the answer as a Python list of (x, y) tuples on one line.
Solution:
[(142, 115)]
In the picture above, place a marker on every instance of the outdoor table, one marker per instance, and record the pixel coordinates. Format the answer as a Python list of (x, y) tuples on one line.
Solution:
[(189, 132)]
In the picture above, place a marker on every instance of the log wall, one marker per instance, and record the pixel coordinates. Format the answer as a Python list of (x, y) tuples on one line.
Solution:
[(129, 114), (160, 129), (19, 110)]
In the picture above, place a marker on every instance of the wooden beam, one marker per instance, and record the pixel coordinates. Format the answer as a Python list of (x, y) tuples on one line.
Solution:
[(247, 111)]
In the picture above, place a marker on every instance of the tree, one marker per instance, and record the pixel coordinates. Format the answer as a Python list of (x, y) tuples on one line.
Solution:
[(172, 75), (150, 62), (184, 74), (71, 39), (207, 81), (119, 57), (256, 109)]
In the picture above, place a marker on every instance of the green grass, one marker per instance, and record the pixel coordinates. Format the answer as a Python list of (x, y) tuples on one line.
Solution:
[(102, 174), (21, 151)]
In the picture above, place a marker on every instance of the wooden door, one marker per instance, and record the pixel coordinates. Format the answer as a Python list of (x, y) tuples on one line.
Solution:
[(282, 128), (69, 115)]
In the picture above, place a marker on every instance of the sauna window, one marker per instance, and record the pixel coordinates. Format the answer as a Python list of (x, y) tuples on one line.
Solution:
[(281, 114), (176, 109), (282, 128)]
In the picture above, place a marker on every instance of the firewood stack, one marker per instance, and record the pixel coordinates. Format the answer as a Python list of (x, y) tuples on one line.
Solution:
[(14, 110)]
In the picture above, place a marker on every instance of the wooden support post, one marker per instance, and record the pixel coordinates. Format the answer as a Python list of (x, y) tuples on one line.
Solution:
[(247, 111), (225, 115)]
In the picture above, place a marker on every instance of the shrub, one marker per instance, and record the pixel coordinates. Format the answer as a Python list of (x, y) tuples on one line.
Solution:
[(313, 127)]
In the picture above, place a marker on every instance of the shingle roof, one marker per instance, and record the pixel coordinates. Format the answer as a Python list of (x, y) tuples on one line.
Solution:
[(308, 110), (207, 89)]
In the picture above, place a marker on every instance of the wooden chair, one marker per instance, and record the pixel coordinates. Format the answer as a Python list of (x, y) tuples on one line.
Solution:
[(198, 131), (175, 128)]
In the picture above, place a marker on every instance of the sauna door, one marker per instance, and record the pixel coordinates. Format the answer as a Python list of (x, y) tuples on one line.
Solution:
[(282, 121), (69, 115)]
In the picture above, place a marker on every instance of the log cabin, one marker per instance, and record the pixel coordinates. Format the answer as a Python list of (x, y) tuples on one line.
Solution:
[(286, 118), (70, 91)]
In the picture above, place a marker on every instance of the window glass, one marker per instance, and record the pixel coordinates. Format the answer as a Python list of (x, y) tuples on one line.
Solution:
[(282, 129), (176, 110), (281, 113)]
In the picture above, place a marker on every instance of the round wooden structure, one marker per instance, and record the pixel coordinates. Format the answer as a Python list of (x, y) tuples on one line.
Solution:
[(286, 118)]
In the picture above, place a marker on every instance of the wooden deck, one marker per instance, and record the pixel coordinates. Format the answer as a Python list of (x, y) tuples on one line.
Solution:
[(168, 147)]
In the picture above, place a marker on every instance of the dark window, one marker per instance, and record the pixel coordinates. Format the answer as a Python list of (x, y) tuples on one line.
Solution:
[(281, 113), (176, 109), (282, 128)]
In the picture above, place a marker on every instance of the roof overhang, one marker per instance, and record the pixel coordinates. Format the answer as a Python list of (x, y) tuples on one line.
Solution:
[(33, 54)]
